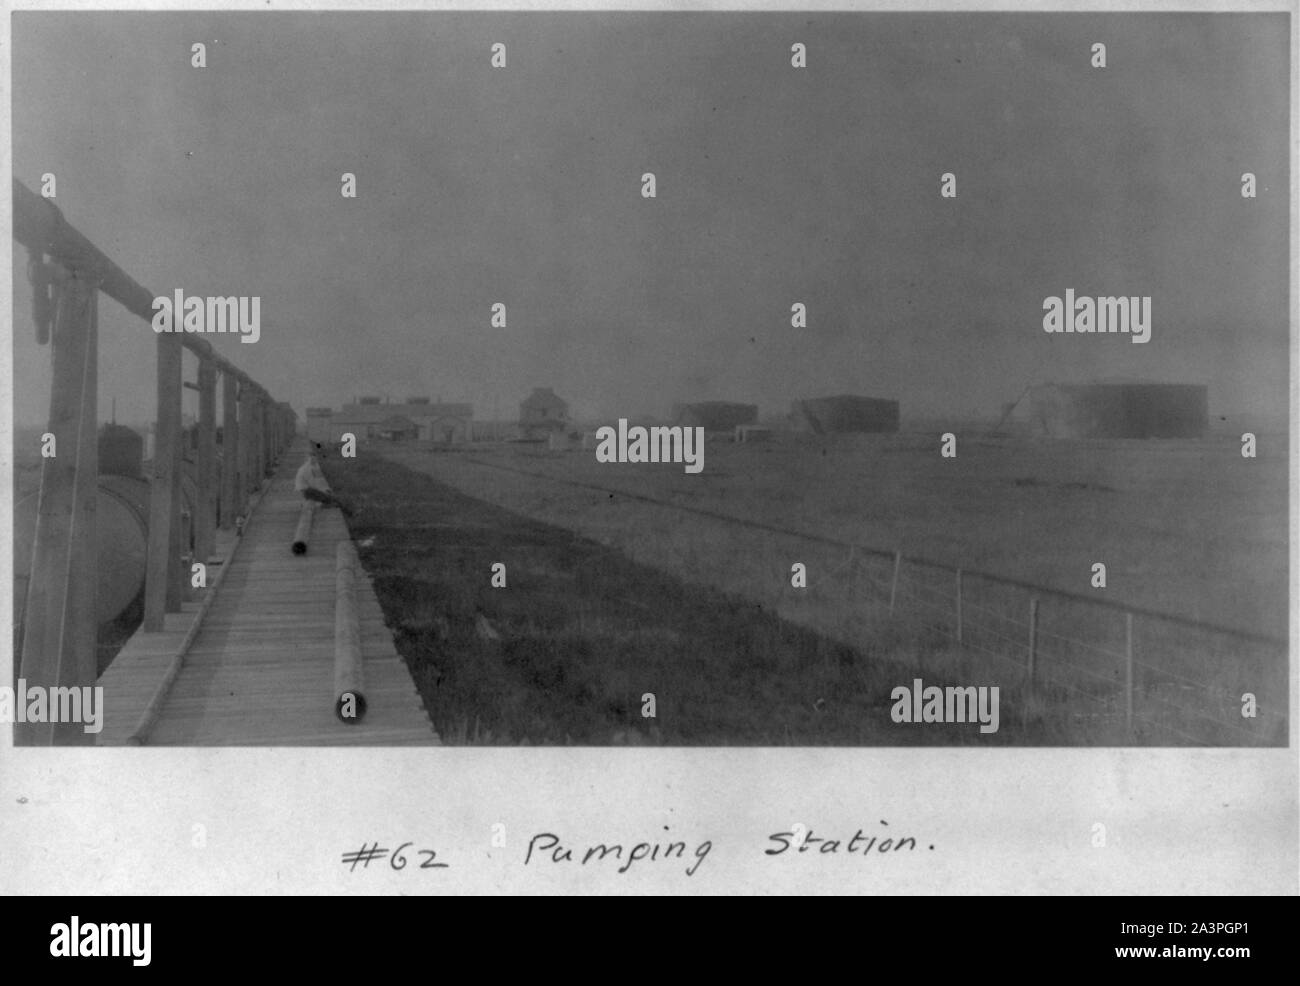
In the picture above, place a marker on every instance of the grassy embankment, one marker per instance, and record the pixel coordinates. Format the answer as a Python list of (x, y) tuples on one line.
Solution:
[(566, 652), (1042, 511)]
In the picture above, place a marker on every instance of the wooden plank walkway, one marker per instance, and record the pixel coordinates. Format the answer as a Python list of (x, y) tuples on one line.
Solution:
[(260, 671)]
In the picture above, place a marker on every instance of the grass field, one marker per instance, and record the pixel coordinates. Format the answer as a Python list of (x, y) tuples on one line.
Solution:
[(1188, 528), (1037, 511), (568, 650)]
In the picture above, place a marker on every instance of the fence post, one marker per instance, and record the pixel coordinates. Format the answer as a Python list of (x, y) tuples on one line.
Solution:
[(205, 513), (959, 605), (59, 642), (165, 485), (1128, 672), (229, 451), (893, 588), (1033, 640), (246, 440)]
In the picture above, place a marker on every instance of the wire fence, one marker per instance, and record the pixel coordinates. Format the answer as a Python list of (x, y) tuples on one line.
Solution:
[(1106, 672), (1119, 674)]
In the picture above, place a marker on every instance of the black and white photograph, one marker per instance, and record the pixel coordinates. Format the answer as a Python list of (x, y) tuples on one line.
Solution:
[(705, 387)]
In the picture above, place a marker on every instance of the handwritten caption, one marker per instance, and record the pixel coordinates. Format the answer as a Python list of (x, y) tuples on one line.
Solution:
[(544, 847), (369, 853)]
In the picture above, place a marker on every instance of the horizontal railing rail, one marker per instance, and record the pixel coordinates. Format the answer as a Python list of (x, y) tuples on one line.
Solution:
[(58, 614)]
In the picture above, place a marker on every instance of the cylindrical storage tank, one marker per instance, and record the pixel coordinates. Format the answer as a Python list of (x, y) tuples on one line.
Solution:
[(121, 522), (189, 485), (121, 451)]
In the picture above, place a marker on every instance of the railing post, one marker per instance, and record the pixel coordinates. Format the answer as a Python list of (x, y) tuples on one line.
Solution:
[(59, 644), (205, 510), (264, 416), (257, 470), (246, 438), (229, 452), (1128, 672), (184, 577), (165, 488), (177, 584), (959, 605), (259, 449), (1033, 641), (893, 588)]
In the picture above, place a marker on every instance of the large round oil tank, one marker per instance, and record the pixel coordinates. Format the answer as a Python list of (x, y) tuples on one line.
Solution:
[(121, 451), (123, 531), (189, 496), (121, 513)]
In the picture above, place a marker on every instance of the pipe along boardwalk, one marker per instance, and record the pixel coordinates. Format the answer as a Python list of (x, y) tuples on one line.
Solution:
[(261, 667), (252, 661)]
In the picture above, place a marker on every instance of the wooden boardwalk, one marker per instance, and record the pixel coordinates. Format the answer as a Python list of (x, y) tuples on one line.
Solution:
[(260, 669)]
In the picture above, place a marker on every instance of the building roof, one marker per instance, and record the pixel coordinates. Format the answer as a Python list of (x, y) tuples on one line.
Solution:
[(396, 422), (443, 411), (715, 415), (370, 414), (543, 397), (846, 412)]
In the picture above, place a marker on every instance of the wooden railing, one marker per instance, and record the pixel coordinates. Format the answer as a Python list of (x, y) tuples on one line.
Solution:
[(59, 619)]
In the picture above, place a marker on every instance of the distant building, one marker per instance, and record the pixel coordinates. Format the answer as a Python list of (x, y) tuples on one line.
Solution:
[(715, 415), (845, 413), (493, 431), (370, 418), (1120, 410), (753, 433), (397, 428), (541, 413), (447, 424), (319, 424)]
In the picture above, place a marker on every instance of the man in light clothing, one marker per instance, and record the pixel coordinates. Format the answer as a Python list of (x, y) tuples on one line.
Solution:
[(310, 482)]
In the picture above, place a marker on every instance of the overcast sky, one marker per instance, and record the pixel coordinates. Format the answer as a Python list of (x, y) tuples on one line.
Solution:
[(775, 185)]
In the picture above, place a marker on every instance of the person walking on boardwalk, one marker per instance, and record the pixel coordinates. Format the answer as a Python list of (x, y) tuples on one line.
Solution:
[(310, 482)]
